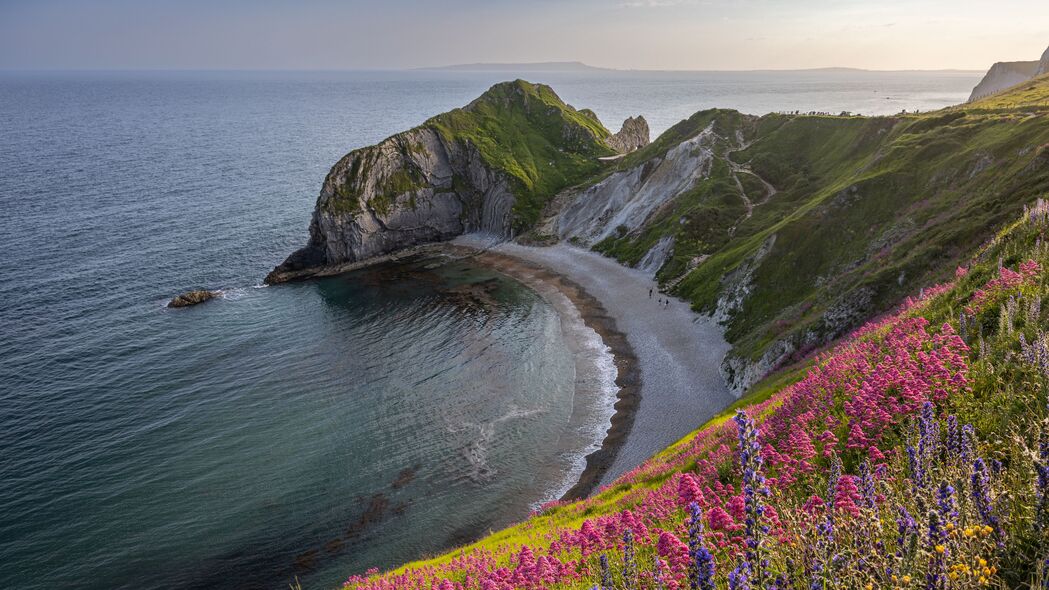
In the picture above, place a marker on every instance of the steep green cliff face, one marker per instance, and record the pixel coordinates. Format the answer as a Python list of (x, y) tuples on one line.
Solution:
[(527, 132), (806, 225)]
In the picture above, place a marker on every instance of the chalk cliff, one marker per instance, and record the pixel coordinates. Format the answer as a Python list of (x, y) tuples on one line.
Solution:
[(1006, 74)]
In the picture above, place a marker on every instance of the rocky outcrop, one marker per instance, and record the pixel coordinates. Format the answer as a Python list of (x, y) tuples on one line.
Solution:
[(1006, 74), (413, 188), (463, 171), (196, 297), (634, 135)]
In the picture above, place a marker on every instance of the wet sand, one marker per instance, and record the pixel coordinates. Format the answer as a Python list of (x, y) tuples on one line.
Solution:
[(667, 357)]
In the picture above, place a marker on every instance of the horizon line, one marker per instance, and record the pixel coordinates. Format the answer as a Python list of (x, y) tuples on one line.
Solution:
[(464, 68)]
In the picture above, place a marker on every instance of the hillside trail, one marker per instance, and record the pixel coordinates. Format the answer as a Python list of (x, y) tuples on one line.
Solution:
[(737, 169)]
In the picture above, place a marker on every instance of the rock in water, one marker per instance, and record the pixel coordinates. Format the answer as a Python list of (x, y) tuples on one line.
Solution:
[(634, 135), (193, 298)]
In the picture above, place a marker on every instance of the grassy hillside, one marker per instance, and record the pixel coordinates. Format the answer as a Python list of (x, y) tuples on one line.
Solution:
[(519, 129), (865, 209), (526, 131), (913, 454)]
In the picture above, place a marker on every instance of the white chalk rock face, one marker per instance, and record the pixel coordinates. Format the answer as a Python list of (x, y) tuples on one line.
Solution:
[(1006, 74), (626, 199)]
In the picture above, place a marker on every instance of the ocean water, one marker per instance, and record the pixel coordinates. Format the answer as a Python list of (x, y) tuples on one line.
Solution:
[(310, 430)]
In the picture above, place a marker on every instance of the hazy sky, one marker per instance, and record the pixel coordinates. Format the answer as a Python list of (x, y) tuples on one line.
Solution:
[(660, 34)]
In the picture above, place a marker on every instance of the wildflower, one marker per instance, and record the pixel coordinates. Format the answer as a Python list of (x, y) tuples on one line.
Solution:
[(954, 436), (688, 490), (737, 578), (981, 494), (867, 483), (720, 520), (657, 572), (906, 528), (928, 435), (846, 496), (629, 564), (753, 489), (934, 574), (673, 550), (916, 467), (606, 573), (701, 575), (945, 501)]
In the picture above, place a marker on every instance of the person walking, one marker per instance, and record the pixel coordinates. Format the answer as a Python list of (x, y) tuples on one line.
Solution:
[(650, 293)]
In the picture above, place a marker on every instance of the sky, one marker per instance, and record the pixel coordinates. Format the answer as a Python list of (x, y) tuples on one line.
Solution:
[(630, 34)]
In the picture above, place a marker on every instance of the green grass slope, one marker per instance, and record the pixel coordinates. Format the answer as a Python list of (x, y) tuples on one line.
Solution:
[(519, 129), (865, 210)]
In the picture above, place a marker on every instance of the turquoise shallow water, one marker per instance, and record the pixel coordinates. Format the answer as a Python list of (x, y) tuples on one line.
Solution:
[(309, 430)]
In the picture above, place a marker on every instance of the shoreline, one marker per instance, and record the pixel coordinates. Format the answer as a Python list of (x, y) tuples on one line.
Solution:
[(667, 357), (593, 314)]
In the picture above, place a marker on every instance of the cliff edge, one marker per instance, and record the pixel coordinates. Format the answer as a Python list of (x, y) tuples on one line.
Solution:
[(1006, 74)]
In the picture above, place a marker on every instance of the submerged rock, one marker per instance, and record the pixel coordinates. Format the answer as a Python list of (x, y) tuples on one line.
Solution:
[(195, 297)]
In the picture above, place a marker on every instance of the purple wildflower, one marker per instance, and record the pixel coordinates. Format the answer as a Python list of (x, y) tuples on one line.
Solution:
[(954, 436), (701, 576), (945, 500), (934, 577), (982, 495), (629, 562), (657, 573), (606, 573), (738, 579), (915, 464), (753, 488)]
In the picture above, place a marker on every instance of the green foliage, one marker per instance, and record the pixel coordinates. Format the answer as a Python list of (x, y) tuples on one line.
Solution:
[(525, 131)]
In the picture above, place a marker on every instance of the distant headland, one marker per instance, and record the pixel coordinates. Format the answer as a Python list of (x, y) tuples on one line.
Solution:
[(543, 66)]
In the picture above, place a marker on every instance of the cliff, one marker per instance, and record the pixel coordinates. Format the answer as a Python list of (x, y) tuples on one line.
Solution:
[(1006, 74), (490, 166), (1002, 75)]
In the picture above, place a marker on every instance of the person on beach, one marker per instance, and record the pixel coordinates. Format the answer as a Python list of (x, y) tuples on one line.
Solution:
[(650, 293)]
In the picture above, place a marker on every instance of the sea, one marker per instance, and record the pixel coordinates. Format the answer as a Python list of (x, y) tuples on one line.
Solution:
[(307, 431)]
